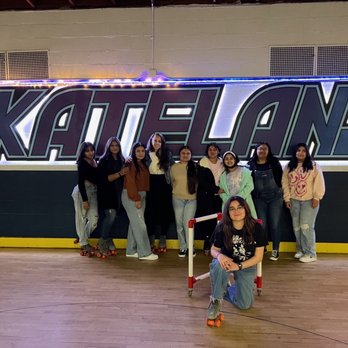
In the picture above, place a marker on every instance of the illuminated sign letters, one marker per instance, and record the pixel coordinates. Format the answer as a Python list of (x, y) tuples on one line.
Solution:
[(36, 122)]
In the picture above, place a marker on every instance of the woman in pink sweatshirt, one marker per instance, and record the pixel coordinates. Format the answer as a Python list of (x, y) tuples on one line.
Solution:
[(303, 188)]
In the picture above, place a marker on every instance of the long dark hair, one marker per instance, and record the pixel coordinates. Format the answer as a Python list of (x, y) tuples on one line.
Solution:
[(307, 163), (107, 153), (162, 153), (270, 157), (228, 229), (134, 157), (82, 149), (217, 147), (192, 178)]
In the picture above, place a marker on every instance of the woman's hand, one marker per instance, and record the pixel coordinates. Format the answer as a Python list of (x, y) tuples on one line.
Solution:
[(221, 191), (85, 205), (226, 263), (288, 205), (315, 203), (138, 204), (124, 171)]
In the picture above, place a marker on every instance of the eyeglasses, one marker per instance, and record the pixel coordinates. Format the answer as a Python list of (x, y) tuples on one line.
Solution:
[(239, 208)]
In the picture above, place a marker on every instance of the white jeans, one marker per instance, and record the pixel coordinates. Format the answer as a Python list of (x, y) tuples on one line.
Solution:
[(85, 221)]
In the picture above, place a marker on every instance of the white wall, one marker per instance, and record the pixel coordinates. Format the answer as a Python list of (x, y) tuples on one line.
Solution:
[(190, 41)]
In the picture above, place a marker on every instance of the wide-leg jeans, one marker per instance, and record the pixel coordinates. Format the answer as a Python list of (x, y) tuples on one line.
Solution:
[(137, 239)]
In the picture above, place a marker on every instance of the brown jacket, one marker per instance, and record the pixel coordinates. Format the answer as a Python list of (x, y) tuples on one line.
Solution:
[(136, 182)]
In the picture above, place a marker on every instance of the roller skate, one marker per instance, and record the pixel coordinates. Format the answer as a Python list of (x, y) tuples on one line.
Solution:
[(111, 247), (162, 245), (214, 315), (162, 249), (102, 248), (87, 250)]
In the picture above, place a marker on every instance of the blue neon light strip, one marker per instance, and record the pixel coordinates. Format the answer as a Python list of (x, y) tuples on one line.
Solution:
[(162, 80)]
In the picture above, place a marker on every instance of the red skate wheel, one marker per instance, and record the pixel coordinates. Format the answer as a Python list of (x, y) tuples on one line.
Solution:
[(210, 322)]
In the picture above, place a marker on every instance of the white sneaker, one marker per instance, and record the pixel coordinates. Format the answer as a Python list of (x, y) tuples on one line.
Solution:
[(308, 258), (132, 255), (298, 255), (150, 257), (275, 255)]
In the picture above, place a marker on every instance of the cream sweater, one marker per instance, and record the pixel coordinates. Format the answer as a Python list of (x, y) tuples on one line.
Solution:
[(303, 186)]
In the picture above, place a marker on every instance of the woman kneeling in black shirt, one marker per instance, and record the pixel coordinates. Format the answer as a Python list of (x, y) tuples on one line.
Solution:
[(237, 246)]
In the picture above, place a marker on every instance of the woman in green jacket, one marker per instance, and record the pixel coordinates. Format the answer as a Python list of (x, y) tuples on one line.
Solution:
[(236, 181)]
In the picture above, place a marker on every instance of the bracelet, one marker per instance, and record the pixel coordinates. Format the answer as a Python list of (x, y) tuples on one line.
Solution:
[(240, 266)]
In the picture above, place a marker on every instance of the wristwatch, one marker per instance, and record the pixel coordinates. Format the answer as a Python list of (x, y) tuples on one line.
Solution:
[(240, 266)]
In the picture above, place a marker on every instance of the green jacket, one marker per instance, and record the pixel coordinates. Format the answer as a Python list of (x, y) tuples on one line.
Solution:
[(244, 191)]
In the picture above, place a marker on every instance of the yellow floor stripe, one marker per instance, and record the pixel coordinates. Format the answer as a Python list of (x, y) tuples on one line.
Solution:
[(10, 242)]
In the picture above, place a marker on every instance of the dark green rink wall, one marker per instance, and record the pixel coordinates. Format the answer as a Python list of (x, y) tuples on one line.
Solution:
[(39, 204)]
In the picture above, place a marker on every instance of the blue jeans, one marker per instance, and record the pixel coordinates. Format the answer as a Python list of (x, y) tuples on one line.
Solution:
[(85, 221), (137, 239), (303, 221), (110, 216), (269, 210), (241, 293), (184, 210)]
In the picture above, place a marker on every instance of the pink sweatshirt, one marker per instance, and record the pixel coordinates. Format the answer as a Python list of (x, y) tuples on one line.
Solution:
[(303, 186)]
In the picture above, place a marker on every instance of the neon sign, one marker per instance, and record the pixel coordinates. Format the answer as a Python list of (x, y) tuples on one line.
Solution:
[(43, 122)]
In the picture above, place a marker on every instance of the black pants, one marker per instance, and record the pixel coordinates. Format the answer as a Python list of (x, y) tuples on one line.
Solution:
[(159, 209)]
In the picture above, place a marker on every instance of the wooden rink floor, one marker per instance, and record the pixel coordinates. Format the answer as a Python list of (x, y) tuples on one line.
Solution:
[(56, 298)]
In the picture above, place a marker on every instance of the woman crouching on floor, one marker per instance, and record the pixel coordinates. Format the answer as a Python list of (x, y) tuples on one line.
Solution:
[(237, 247)]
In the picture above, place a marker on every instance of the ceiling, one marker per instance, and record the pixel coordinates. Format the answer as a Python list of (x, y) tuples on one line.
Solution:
[(40, 5)]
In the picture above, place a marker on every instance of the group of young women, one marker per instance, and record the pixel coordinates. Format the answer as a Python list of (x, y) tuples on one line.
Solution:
[(151, 186), (114, 180), (154, 190)]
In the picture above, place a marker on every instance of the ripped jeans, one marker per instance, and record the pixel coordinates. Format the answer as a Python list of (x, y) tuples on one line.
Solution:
[(85, 221), (241, 293), (303, 221)]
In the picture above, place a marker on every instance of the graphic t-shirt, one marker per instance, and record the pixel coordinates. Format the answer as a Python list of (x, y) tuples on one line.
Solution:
[(241, 250)]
